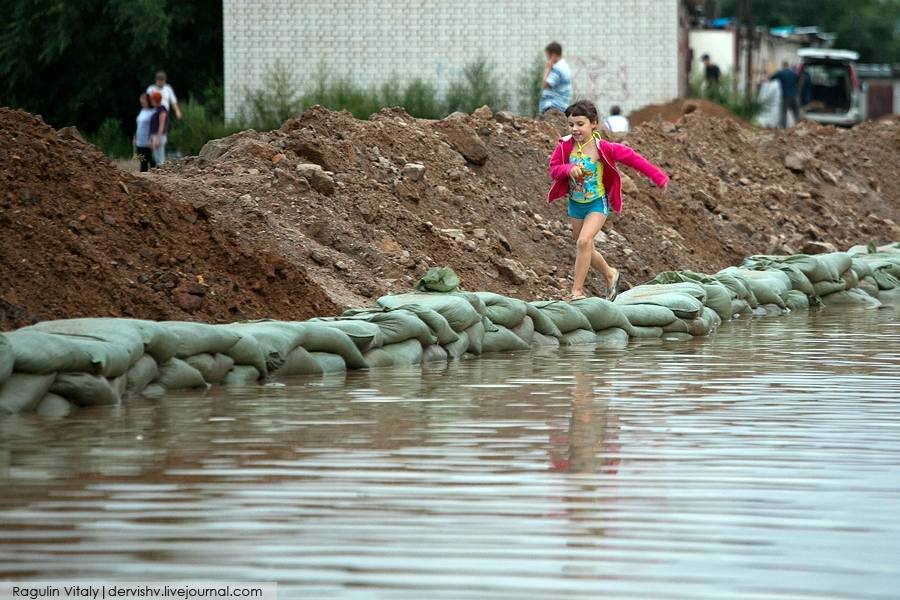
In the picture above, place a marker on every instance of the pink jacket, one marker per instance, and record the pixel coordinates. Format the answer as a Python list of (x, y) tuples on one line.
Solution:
[(610, 153)]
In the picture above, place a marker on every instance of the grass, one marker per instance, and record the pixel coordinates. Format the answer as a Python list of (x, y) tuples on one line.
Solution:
[(747, 106)]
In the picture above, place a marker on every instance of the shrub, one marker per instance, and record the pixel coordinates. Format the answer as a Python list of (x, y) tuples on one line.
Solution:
[(479, 87), (745, 105), (197, 126), (531, 83), (111, 138)]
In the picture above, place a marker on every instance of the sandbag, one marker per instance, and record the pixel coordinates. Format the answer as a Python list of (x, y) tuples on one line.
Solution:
[(213, 367), (578, 337), (456, 309), (23, 391), (434, 353), (542, 322), (869, 285), (318, 338), (703, 325), (602, 314), (861, 268), (684, 305), (405, 353), (242, 375), (539, 340), (796, 300), (825, 288), (398, 326), (850, 279), (330, 363), (648, 315), (646, 332), (40, 353), (249, 352), (837, 262), (525, 330), (141, 374), (813, 267), (364, 334), (84, 389), (612, 338), (438, 279), (852, 296), (140, 336), (737, 288), (197, 338), (7, 359), (299, 362), (475, 336), (175, 374), (474, 300), (54, 405), (115, 346), (275, 340), (458, 348), (718, 296), (501, 310), (739, 306), (439, 325), (767, 286), (498, 338), (565, 316)]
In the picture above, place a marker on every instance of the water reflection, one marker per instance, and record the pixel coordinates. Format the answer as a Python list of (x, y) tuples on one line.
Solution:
[(763, 462)]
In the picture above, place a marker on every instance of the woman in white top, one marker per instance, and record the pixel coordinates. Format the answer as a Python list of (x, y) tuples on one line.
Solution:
[(169, 100)]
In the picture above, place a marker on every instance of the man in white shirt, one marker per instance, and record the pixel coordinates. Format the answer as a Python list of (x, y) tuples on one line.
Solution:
[(169, 100), (616, 122)]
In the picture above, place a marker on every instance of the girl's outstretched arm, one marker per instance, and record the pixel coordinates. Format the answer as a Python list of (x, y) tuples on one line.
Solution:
[(626, 155), (559, 167)]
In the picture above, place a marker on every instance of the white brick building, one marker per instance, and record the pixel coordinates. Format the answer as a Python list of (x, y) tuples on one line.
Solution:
[(622, 52)]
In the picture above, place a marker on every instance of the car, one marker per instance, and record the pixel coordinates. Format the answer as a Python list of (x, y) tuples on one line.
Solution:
[(830, 90)]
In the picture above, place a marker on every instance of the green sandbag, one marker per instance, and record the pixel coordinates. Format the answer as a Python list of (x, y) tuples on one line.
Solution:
[(885, 280), (739, 307), (691, 288), (684, 306), (542, 322), (319, 338), (838, 262), (299, 362), (853, 296), (705, 324), (434, 353), (329, 363), (767, 286), (525, 330), (213, 367), (578, 337), (141, 374), (141, 337), (116, 345), (850, 279), (197, 338), (869, 285), (474, 300), (565, 316), (242, 375), (83, 389), (646, 332), (438, 279), (825, 288), (813, 267), (858, 249), (890, 297), (647, 315), (498, 338), (40, 353), (364, 334), (796, 300), (439, 325), (458, 348), (861, 268), (539, 340), (456, 309), (501, 310), (275, 339), (612, 338), (405, 353), (798, 278), (475, 336), (398, 326), (602, 314), (249, 352), (769, 310), (737, 287), (718, 296), (54, 405), (7, 359), (175, 374), (23, 391)]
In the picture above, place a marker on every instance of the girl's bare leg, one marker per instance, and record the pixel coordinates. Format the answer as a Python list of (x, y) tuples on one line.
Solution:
[(586, 255)]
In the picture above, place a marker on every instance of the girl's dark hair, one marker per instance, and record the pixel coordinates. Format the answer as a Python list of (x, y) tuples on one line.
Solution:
[(582, 108)]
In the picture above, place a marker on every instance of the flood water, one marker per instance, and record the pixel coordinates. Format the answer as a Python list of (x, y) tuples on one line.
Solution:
[(763, 462)]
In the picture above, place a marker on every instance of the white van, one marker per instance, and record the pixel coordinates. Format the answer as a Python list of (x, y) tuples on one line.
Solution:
[(830, 91)]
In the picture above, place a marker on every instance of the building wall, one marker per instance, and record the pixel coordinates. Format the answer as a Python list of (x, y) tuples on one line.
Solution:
[(718, 43), (628, 55)]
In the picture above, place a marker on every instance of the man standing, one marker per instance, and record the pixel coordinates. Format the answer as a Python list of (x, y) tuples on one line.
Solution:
[(790, 93), (169, 100), (711, 73), (557, 87)]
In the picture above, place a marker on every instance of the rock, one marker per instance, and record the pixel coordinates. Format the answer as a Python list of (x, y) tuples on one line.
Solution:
[(511, 270), (341, 266), (628, 185), (504, 116), (321, 180), (277, 158), (464, 140), (442, 192), (830, 176), (812, 247), (744, 181), (319, 257), (483, 112), (504, 242), (252, 171), (480, 234), (70, 133), (456, 116), (188, 302), (413, 171), (795, 161)]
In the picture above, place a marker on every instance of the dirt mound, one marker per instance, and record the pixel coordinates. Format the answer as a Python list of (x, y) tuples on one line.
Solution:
[(330, 211), (676, 109), (83, 238)]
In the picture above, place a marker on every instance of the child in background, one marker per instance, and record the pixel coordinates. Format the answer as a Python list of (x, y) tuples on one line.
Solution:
[(583, 168), (158, 128), (141, 139)]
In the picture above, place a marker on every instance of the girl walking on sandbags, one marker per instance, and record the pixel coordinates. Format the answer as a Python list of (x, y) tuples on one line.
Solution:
[(583, 168)]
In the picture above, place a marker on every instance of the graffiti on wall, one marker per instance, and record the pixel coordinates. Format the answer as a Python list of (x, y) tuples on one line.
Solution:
[(593, 77)]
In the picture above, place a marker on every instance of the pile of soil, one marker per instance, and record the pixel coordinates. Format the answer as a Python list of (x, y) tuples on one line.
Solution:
[(83, 238), (675, 110), (330, 211)]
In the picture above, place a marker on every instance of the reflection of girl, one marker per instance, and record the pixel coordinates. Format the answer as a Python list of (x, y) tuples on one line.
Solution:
[(583, 450)]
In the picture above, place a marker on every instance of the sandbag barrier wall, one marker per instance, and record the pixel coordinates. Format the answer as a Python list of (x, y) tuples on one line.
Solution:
[(54, 366)]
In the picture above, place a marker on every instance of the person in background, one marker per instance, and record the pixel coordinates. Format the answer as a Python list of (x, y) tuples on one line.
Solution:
[(169, 100), (616, 122), (158, 122), (711, 73), (141, 138), (790, 93), (557, 80)]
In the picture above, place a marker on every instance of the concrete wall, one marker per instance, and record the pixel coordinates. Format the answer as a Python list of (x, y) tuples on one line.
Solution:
[(718, 43), (628, 57)]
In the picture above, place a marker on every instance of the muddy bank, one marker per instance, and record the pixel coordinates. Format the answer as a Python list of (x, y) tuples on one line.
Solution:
[(330, 212)]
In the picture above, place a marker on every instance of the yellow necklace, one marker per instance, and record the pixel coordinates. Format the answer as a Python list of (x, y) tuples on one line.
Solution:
[(579, 151)]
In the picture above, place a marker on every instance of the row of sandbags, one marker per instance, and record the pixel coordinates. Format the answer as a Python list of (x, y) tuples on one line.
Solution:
[(55, 365)]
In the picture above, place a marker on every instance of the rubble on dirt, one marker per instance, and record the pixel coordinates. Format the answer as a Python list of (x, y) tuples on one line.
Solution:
[(329, 211)]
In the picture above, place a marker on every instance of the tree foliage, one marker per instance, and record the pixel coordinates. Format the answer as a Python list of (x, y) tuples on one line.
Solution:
[(85, 61)]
